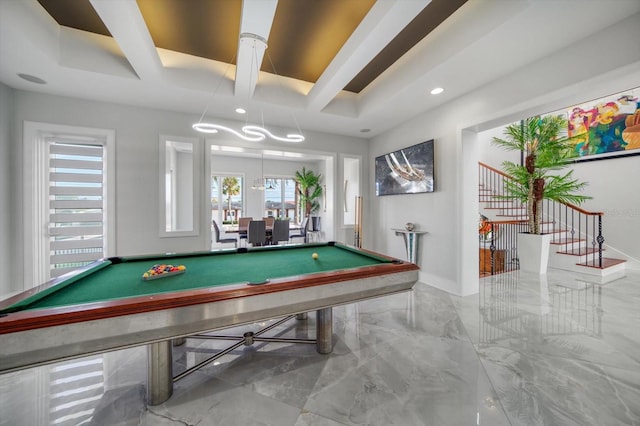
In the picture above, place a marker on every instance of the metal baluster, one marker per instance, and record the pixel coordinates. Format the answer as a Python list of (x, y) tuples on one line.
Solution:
[(600, 241)]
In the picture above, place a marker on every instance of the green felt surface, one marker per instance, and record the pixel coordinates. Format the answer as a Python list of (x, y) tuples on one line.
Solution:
[(125, 279)]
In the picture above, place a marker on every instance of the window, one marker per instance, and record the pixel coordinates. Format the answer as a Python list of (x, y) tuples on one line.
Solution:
[(280, 197), (69, 205), (227, 198), (179, 186)]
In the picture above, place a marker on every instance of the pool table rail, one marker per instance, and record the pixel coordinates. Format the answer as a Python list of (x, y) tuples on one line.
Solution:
[(48, 317), (46, 335)]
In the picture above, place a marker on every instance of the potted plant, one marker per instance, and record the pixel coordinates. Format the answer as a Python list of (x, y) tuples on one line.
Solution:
[(546, 149), (310, 191)]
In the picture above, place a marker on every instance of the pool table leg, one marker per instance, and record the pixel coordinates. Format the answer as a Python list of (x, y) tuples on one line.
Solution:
[(324, 330), (160, 376)]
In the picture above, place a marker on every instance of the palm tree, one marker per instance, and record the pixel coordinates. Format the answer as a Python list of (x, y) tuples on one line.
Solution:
[(546, 151), (230, 188)]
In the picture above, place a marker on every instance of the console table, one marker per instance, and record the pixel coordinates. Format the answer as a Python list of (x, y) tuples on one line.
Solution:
[(410, 241)]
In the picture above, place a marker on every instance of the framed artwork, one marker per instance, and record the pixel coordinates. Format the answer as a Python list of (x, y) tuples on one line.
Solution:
[(608, 127), (406, 171)]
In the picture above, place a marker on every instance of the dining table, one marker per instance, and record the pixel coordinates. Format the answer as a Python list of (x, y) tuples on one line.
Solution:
[(235, 229)]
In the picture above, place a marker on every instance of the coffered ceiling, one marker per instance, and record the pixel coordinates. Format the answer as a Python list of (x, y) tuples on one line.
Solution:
[(339, 66), (305, 36)]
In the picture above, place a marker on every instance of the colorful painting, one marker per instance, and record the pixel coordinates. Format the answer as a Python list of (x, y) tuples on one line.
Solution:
[(607, 127)]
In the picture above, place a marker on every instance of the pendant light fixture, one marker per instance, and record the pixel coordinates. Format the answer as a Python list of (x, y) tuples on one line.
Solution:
[(251, 46), (258, 184), (270, 184)]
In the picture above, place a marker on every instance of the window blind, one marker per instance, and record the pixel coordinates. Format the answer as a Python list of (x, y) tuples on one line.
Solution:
[(76, 204)]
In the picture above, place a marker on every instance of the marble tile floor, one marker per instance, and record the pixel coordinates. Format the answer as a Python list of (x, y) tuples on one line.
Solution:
[(526, 350)]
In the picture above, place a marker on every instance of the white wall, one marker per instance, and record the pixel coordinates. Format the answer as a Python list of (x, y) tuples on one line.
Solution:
[(7, 239), (352, 168), (589, 69), (491, 154), (137, 174), (613, 184)]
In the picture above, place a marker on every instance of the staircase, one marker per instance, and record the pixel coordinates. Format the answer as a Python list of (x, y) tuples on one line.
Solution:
[(577, 240)]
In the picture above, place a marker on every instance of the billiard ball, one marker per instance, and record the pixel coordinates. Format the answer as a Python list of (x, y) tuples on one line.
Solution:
[(315, 256)]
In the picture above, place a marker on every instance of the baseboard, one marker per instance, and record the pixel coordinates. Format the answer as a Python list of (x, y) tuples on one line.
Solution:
[(440, 283)]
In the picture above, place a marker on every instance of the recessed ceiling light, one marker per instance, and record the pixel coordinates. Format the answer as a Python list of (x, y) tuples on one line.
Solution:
[(240, 110), (437, 91), (32, 78)]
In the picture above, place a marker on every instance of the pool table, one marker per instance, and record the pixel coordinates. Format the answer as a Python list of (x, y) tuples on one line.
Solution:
[(107, 305)]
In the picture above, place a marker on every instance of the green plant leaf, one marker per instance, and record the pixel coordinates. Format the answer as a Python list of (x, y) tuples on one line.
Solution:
[(546, 148)]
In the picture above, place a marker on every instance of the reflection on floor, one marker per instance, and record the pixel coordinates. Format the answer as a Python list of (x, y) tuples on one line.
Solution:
[(524, 351)]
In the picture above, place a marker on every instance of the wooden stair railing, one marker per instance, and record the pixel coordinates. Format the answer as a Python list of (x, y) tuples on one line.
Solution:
[(575, 231)]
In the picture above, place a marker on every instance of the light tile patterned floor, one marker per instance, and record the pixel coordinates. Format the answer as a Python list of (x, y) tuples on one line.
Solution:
[(559, 349)]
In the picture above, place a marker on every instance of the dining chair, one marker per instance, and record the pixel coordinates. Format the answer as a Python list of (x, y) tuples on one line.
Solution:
[(269, 221), (303, 231), (243, 222), (216, 230), (280, 231), (257, 233)]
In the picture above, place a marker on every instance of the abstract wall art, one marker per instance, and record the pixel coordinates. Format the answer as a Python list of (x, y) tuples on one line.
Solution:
[(604, 128)]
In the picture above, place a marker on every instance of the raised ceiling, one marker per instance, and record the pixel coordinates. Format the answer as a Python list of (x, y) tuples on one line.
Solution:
[(304, 39), (342, 66)]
